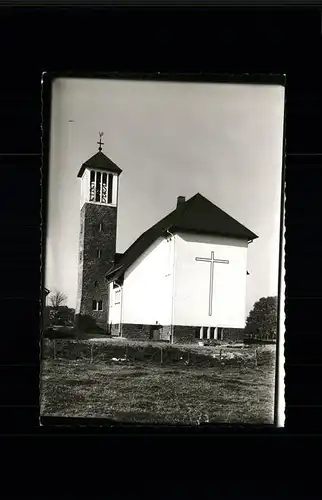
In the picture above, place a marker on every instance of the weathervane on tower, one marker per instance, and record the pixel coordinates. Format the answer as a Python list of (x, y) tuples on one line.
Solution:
[(100, 143)]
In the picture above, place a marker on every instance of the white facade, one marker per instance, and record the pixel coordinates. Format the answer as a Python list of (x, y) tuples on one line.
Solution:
[(103, 197), (115, 305), (147, 288), (192, 281), (168, 286)]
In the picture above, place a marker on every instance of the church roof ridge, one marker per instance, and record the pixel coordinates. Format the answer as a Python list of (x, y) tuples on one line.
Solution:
[(225, 224), (198, 215)]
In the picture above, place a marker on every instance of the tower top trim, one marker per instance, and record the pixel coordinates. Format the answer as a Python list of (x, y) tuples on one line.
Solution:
[(99, 162)]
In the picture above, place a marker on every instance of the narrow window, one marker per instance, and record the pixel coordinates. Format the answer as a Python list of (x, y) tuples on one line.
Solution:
[(94, 305), (96, 284), (98, 253), (110, 185), (100, 305), (197, 332), (98, 186), (92, 187), (117, 297), (104, 188)]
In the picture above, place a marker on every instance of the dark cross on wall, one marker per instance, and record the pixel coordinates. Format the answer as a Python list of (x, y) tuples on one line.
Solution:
[(100, 143), (212, 262)]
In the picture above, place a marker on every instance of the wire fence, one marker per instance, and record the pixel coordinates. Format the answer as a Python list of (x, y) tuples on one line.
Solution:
[(157, 354)]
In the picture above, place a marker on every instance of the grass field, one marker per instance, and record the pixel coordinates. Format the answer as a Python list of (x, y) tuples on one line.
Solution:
[(153, 394)]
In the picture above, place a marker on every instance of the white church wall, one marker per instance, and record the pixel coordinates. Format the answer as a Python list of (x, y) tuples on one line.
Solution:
[(192, 279), (115, 305), (148, 283)]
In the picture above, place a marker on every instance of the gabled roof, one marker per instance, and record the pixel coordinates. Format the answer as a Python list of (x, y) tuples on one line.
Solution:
[(101, 162), (197, 215)]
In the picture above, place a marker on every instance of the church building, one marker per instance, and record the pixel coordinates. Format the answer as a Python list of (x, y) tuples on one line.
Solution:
[(182, 280)]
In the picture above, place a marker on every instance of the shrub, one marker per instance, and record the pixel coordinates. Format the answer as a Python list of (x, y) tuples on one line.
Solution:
[(262, 320), (64, 332)]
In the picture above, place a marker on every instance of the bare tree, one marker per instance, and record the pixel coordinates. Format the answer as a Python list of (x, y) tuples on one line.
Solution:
[(57, 299)]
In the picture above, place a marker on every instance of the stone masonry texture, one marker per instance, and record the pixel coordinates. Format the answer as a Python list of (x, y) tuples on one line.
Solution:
[(91, 268), (233, 334), (145, 332), (136, 332), (114, 329), (184, 334)]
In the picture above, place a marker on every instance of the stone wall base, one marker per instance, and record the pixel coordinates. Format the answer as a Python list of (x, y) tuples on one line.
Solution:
[(185, 334), (182, 334), (233, 334), (191, 335), (87, 324), (146, 332), (136, 331), (114, 330)]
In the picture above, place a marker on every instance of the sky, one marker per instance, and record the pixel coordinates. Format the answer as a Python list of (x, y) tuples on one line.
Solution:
[(224, 141)]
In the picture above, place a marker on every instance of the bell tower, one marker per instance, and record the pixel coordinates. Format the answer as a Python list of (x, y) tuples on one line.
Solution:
[(97, 239)]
